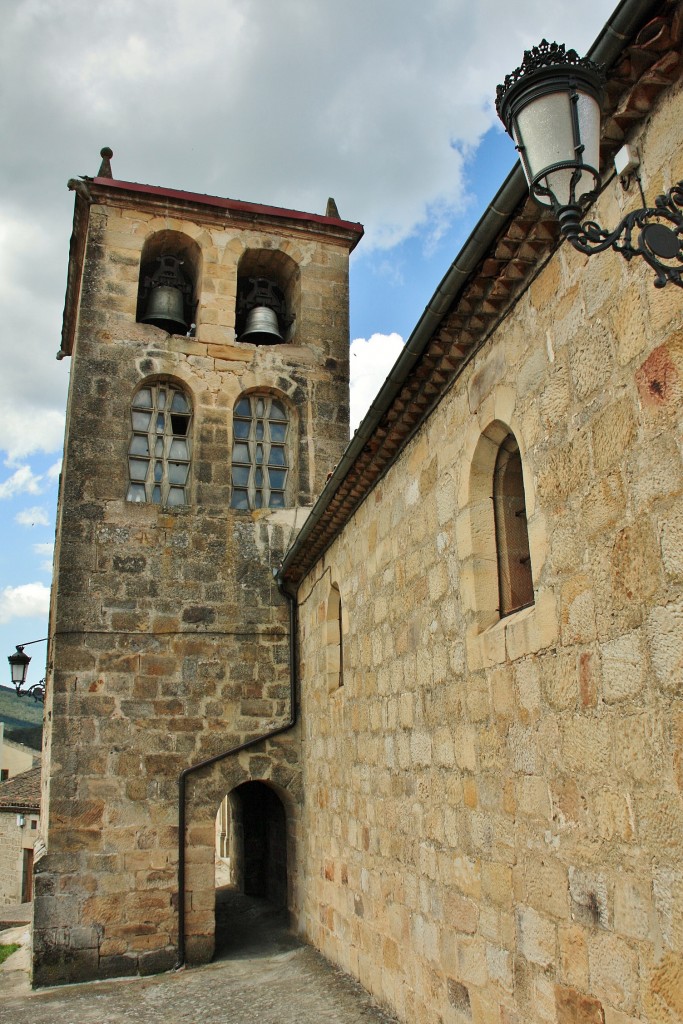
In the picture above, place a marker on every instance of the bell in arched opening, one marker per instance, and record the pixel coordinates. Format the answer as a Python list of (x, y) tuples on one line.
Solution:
[(168, 297), (261, 315), (261, 326)]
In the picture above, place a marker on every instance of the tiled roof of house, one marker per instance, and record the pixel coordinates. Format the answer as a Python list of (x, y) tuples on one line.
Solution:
[(21, 792)]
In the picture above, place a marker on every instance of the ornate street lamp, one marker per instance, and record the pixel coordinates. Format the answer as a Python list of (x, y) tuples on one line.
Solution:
[(550, 105), (19, 663)]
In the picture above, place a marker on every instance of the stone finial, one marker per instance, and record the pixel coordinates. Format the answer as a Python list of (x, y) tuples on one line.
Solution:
[(105, 166), (332, 210)]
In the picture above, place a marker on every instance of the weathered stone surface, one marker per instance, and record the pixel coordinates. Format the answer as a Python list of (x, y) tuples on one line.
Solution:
[(171, 638), (556, 823), (575, 1008)]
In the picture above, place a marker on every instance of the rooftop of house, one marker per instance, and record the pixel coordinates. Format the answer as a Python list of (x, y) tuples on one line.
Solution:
[(640, 47), (22, 792)]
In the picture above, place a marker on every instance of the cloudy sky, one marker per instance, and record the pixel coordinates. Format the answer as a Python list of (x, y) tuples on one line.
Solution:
[(387, 105)]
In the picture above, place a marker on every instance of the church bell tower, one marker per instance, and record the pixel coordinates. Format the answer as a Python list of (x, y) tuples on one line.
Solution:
[(208, 402)]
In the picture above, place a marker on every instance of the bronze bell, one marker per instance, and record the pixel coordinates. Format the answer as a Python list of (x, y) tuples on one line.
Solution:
[(261, 327), (166, 301), (165, 309)]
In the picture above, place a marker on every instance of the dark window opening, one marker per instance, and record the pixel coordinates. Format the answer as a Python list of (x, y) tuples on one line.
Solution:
[(515, 584)]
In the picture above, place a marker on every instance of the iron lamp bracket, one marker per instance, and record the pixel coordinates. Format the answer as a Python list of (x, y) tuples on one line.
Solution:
[(655, 233), (37, 691)]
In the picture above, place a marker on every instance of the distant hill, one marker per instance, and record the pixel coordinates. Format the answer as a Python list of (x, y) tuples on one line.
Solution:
[(18, 714), (31, 737)]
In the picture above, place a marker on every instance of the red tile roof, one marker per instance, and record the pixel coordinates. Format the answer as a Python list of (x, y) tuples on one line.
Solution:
[(236, 205), (21, 792)]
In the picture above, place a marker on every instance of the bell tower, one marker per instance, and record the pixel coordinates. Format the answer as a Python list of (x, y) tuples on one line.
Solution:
[(208, 402)]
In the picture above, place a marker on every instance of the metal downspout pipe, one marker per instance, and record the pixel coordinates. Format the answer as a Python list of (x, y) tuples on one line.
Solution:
[(186, 772)]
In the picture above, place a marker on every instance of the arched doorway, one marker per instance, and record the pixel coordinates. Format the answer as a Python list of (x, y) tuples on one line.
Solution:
[(251, 865)]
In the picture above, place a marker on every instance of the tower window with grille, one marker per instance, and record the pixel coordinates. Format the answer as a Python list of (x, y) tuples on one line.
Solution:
[(260, 462), (515, 584), (159, 450)]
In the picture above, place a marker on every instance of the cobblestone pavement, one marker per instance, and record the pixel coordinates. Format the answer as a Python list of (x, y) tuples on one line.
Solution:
[(271, 979)]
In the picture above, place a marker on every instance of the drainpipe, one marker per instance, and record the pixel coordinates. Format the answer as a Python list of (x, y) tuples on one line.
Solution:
[(186, 772)]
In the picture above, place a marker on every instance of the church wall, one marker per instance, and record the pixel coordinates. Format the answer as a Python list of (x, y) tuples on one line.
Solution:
[(493, 817), (169, 639)]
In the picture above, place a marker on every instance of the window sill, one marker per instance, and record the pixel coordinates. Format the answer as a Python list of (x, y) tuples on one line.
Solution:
[(523, 632)]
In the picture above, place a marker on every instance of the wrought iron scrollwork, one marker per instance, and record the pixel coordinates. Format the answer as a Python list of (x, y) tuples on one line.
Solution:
[(37, 691), (659, 231)]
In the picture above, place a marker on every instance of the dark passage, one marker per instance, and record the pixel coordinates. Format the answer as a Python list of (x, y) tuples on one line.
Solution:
[(250, 926), (251, 914)]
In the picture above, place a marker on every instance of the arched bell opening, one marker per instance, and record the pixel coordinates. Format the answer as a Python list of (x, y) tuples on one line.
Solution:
[(168, 286), (251, 866), (267, 297)]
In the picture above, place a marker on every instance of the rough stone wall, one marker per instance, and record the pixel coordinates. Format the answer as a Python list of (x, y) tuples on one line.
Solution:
[(13, 841), (169, 639), (494, 808)]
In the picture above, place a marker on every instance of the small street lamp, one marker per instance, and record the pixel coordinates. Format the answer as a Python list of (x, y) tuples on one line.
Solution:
[(19, 663), (550, 106)]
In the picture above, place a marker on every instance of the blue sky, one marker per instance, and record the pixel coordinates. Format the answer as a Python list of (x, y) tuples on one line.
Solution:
[(386, 106)]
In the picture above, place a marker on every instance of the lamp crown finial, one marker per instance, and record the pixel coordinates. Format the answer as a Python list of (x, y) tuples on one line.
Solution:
[(542, 56)]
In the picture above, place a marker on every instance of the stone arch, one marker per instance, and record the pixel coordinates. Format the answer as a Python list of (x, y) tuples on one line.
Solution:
[(187, 255), (205, 797), (334, 650), (491, 638), (476, 532)]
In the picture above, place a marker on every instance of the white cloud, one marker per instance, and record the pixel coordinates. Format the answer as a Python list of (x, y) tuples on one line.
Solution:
[(46, 550), (22, 481), (371, 360), (54, 470), (281, 103), (31, 430), (35, 516), (25, 601)]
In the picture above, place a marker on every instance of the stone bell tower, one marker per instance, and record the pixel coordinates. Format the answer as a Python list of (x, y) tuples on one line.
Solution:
[(208, 402)]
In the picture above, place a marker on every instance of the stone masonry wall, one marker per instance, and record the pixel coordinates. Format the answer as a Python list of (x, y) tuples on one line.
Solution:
[(493, 814), (13, 841), (169, 639)]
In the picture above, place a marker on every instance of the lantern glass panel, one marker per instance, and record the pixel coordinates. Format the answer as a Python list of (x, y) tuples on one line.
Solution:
[(545, 129)]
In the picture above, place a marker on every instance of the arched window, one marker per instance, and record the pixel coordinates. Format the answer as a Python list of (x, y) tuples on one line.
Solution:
[(160, 446), (515, 585), (260, 452), (334, 649)]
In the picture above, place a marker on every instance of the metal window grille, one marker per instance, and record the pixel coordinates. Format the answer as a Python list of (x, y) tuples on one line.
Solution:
[(159, 450), (260, 464)]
